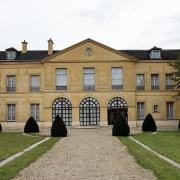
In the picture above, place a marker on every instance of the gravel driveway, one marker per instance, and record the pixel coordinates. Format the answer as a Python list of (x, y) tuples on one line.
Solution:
[(86, 154)]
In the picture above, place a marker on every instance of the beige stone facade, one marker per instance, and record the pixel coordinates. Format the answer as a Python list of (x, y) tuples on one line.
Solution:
[(75, 59)]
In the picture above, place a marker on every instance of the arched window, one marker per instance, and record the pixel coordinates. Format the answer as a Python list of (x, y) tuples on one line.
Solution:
[(63, 108), (117, 106), (89, 112)]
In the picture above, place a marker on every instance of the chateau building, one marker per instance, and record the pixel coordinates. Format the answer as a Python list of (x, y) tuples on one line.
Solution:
[(87, 84)]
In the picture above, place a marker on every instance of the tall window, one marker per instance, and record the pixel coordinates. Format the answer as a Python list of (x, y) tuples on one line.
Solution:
[(169, 109), (35, 111), (11, 112), (169, 81), (154, 81), (11, 83), (140, 110), (117, 78), (140, 81), (35, 83), (61, 79), (89, 79)]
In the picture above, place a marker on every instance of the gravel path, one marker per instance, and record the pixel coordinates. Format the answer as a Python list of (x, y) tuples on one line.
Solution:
[(86, 154)]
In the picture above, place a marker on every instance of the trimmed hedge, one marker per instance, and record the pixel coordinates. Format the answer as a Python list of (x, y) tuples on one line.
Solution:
[(58, 128), (149, 124), (0, 127), (31, 126), (120, 127)]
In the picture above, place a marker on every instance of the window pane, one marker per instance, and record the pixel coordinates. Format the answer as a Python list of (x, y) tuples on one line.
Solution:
[(140, 79), (156, 54), (11, 112), (89, 77), (11, 83), (35, 81), (61, 77), (140, 110), (154, 81), (169, 81), (170, 110), (155, 108), (35, 111), (117, 76)]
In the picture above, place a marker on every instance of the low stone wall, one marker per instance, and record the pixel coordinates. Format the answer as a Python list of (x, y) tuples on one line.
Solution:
[(163, 124), (19, 126)]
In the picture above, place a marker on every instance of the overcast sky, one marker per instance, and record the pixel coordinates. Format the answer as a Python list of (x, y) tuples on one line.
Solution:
[(120, 24)]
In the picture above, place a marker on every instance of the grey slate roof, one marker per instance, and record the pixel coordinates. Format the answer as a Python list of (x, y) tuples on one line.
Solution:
[(11, 49), (29, 56), (167, 54), (38, 55)]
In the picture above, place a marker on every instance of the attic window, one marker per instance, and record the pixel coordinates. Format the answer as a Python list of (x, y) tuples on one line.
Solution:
[(11, 55), (155, 54)]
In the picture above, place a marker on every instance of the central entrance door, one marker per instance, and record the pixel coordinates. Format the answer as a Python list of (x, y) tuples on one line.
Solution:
[(89, 112), (63, 108), (117, 106)]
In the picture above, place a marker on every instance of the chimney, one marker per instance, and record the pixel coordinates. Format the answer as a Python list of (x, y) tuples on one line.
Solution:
[(24, 47), (50, 46)]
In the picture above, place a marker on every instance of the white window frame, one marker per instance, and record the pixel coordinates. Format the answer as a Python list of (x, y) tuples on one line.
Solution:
[(11, 55), (61, 78), (11, 112), (140, 110), (170, 110), (89, 78), (154, 81), (168, 80), (35, 111), (11, 83), (140, 81), (155, 54), (117, 77), (35, 82)]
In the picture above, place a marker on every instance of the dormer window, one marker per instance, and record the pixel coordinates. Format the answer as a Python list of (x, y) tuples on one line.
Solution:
[(11, 53), (155, 53)]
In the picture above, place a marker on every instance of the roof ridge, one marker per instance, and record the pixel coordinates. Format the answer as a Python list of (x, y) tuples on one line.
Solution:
[(147, 50), (34, 50)]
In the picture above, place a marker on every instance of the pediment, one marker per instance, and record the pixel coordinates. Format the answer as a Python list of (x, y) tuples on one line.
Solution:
[(88, 51)]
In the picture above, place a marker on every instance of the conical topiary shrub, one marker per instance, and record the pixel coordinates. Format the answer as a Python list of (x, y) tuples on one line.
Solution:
[(149, 124), (31, 126), (58, 128), (0, 127), (121, 127), (179, 125)]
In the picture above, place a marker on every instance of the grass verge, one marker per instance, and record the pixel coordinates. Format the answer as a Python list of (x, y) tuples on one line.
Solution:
[(11, 143), (146, 159), (165, 143), (11, 169)]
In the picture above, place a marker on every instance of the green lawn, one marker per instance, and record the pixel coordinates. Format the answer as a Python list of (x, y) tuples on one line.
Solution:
[(11, 143), (11, 169), (166, 143)]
